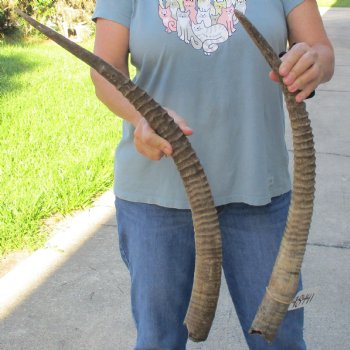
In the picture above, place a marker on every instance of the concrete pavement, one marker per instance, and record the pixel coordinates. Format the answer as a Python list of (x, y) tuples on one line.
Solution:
[(74, 293)]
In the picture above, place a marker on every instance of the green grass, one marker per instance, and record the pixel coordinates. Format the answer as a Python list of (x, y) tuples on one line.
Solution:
[(56, 140), (333, 3)]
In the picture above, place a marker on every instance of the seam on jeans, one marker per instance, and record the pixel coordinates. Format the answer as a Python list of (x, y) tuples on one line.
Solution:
[(124, 256), (121, 248)]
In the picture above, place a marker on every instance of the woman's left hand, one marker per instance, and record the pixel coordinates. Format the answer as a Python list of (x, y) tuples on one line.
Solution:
[(301, 70)]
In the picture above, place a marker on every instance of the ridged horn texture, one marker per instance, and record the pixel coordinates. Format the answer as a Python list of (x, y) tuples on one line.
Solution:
[(285, 275), (207, 276)]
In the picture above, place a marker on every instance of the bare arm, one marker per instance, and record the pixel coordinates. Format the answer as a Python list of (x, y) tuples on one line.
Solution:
[(112, 45), (311, 61)]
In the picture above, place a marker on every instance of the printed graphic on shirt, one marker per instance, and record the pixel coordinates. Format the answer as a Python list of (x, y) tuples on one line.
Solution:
[(203, 24)]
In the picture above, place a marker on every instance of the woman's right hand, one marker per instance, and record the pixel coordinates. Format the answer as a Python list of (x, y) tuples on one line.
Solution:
[(150, 144)]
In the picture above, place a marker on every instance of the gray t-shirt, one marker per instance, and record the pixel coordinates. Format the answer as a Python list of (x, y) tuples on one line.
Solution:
[(195, 58)]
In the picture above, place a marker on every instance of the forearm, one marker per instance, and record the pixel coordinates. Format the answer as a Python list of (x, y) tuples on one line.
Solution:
[(114, 100)]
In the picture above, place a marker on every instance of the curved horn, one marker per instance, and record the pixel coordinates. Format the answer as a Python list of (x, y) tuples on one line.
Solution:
[(207, 276), (285, 275)]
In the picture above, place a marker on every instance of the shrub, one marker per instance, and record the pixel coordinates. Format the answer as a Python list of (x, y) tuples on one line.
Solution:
[(7, 22), (70, 17)]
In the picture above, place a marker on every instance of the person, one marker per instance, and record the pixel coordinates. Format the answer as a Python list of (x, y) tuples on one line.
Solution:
[(195, 59)]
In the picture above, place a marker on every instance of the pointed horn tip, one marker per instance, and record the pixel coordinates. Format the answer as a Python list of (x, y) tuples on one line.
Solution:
[(19, 12)]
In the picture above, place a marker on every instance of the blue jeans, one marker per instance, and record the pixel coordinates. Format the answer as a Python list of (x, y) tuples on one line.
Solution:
[(157, 245)]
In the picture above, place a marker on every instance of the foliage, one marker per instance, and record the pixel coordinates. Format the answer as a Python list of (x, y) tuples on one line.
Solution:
[(60, 14), (6, 17)]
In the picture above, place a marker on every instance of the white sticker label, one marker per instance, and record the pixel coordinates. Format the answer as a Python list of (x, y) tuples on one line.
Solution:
[(303, 298)]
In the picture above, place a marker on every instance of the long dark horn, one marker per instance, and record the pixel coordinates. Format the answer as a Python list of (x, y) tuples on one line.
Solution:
[(285, 275), (207, 276)]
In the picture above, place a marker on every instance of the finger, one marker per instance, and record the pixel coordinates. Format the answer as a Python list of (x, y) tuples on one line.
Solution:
[(147, 151), (307, 79), (307, 92), (180, 122), (304, 64), (273, 76), (144, 134), (152, 140), (291, 58), (184, 127)]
